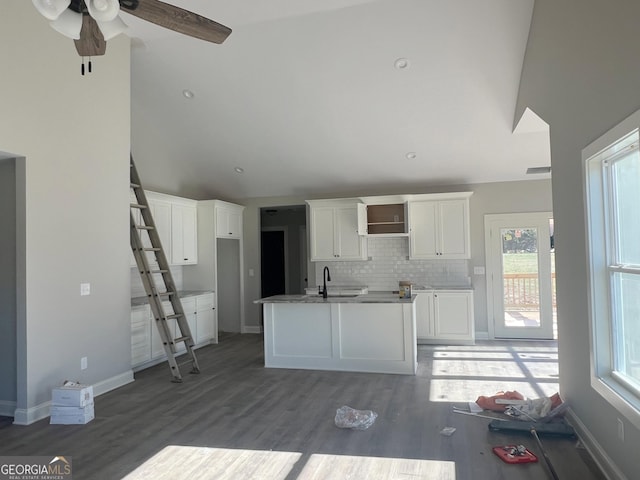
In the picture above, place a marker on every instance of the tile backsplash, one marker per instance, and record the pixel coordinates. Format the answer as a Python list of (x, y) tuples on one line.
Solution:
[(389, 264), (137, 288)]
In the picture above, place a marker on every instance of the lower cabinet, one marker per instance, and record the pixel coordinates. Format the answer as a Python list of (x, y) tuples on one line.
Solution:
[(146, 345), (207, 324), (445, 316)]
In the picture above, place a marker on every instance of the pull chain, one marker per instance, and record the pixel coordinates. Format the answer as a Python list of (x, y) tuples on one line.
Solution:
[(82, 67)]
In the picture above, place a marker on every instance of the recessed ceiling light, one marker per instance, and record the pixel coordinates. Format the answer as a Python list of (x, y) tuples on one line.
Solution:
[(187, 93), (411, 155), (401, 63), (239, 170), (538, 170)]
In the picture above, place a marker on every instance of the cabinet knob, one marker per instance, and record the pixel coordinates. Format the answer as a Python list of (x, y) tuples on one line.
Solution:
[(186, 259)]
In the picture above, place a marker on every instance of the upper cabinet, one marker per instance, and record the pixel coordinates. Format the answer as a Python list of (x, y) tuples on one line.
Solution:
[(177, 226), (383, 219), (228, 220), (184, 234), (439, 226), (334, 231)]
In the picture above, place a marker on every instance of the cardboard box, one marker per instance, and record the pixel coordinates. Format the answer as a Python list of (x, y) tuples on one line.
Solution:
[(71, 415), (72, 395)]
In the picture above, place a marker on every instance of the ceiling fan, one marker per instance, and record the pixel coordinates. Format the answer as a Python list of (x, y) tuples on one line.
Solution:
[(91, 23)]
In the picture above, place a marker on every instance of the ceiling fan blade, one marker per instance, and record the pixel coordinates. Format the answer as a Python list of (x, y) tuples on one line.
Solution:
[(91, 43), (179, 20)]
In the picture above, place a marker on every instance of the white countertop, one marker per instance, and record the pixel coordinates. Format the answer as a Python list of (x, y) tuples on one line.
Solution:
[(139, 301), (371, 297)]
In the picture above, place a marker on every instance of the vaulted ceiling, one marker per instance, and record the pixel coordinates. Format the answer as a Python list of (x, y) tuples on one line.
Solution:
[(309, 98)]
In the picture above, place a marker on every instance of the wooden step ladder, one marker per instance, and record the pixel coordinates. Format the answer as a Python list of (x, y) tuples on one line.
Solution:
[(158, 283)]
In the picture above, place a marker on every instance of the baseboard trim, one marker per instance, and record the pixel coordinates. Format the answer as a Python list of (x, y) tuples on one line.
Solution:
[(252, 329), (600, 457), (27, 416), (7, 408)]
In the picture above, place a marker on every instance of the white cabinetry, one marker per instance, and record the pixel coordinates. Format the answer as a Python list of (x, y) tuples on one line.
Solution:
[(334, 232), (161, 212), (184, 234), (146, 345), (140, 335), (424, 315), (206, 325), (445, 316), (228, 220), (176, 223), (439, 227)]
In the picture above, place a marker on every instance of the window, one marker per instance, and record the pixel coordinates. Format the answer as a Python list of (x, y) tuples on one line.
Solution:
[(612, 175)]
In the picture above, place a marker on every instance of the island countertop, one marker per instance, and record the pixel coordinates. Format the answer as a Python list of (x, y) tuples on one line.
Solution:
[(371, 297)]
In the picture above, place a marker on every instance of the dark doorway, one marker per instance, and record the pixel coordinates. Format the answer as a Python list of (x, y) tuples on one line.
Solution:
[(273, 263)]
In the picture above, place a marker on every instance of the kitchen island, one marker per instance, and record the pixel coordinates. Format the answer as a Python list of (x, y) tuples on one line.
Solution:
[(374, 332)]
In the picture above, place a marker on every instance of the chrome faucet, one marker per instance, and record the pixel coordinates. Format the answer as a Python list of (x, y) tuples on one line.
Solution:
[(326, 277)]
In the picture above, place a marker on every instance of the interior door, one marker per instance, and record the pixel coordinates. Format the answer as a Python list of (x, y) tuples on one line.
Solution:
[(273, 261), (520, 275)]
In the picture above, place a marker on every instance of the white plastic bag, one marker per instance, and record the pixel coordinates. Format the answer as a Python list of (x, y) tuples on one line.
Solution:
[(347, 417)]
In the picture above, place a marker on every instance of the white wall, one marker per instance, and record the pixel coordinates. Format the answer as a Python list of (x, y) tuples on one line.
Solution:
[(73, 132), (581, 75), (504, 197)]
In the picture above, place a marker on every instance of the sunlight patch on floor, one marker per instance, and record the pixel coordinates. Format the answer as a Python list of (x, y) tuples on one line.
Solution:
[(331, 467), (176, 462), (463, 373)]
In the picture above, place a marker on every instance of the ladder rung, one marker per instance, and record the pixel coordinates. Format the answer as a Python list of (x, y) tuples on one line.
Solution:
[(134, 185), (138, 205), (166, 294), (174, 315), (187, 362), (182, 339), (158, 271), (152, 249), (144, 227)]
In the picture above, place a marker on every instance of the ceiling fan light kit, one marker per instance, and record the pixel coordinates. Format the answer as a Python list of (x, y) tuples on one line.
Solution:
[(68, 23), (103, 10), (113, 28), (51, 9), (91, 23)]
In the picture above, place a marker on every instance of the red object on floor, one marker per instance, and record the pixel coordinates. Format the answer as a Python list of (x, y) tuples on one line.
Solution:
[(505, 453)]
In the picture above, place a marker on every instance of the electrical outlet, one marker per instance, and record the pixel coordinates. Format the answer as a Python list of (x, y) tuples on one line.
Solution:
[(85, 289), (83, 363), (620, 430)]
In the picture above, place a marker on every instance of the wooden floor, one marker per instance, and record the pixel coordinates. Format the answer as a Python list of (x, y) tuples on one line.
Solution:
[(238, 420)]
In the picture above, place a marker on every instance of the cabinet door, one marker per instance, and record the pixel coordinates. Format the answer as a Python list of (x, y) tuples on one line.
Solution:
[(228, 223), (234, 222), (157, 349), (322, 233), (189, 307), (161, 212), (424, 318), (454, 229), (140, 335), (423, 242), (184, 246), (348, 244), (206, 330), (453, 315)]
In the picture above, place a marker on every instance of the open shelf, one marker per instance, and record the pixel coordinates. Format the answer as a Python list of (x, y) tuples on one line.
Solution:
[(386, 219)]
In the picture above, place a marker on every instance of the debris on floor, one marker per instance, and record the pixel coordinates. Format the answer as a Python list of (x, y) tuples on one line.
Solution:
[(347, 417), (447, 431), (514, 454), (515, 405)]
